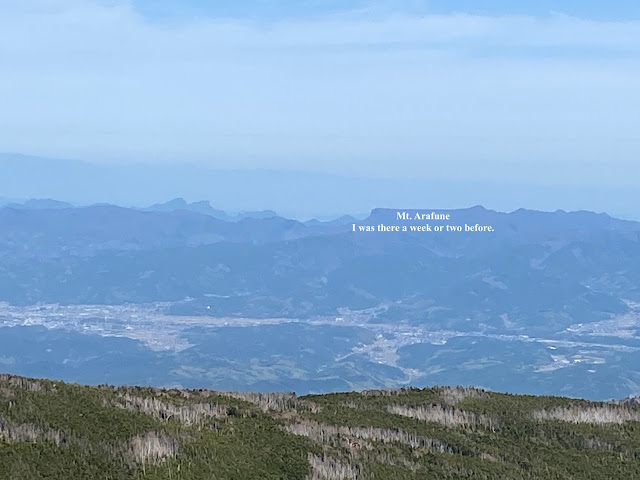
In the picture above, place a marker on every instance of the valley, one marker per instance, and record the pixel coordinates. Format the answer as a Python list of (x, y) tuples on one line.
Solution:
[(356, 347)]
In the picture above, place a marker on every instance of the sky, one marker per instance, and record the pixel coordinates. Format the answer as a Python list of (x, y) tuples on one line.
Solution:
[(539, 93)]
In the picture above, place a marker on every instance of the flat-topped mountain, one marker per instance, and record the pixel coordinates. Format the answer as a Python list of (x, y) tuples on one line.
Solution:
[(205, 208)]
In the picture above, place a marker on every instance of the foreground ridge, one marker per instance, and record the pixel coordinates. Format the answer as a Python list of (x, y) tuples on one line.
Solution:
[(54, 429)]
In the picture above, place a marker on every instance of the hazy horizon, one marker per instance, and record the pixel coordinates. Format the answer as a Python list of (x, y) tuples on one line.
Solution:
[(291, 193), (398, 103)]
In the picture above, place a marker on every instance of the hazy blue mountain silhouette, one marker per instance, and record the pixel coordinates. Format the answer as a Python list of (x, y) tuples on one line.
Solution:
[(533, 262), (205, 208), (40, 203), (302, 194), (536, 276)]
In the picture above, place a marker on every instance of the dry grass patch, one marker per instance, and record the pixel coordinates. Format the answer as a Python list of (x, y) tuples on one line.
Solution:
[(25, 383), (444, 415), (152, 447), (590, 414), (454, 395), (189, 414), (326, 468), (390, 392), (27, 432), (341, 436), (277, 402)]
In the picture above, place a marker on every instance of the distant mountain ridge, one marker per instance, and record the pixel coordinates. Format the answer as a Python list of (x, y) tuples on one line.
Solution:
[(39, 204), (205, 208), (43, 227), (324, 260), (547, 302), (299, 194), (87, 230)]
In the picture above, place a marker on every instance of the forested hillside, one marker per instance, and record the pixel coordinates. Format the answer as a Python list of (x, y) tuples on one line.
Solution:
[(50, 429)]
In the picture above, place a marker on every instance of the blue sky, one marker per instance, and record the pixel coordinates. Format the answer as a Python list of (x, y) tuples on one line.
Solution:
[(594, 9), (531, 92)]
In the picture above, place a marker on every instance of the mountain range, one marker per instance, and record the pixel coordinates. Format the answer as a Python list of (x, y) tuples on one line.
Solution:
[(552, 296), (296, 194)]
